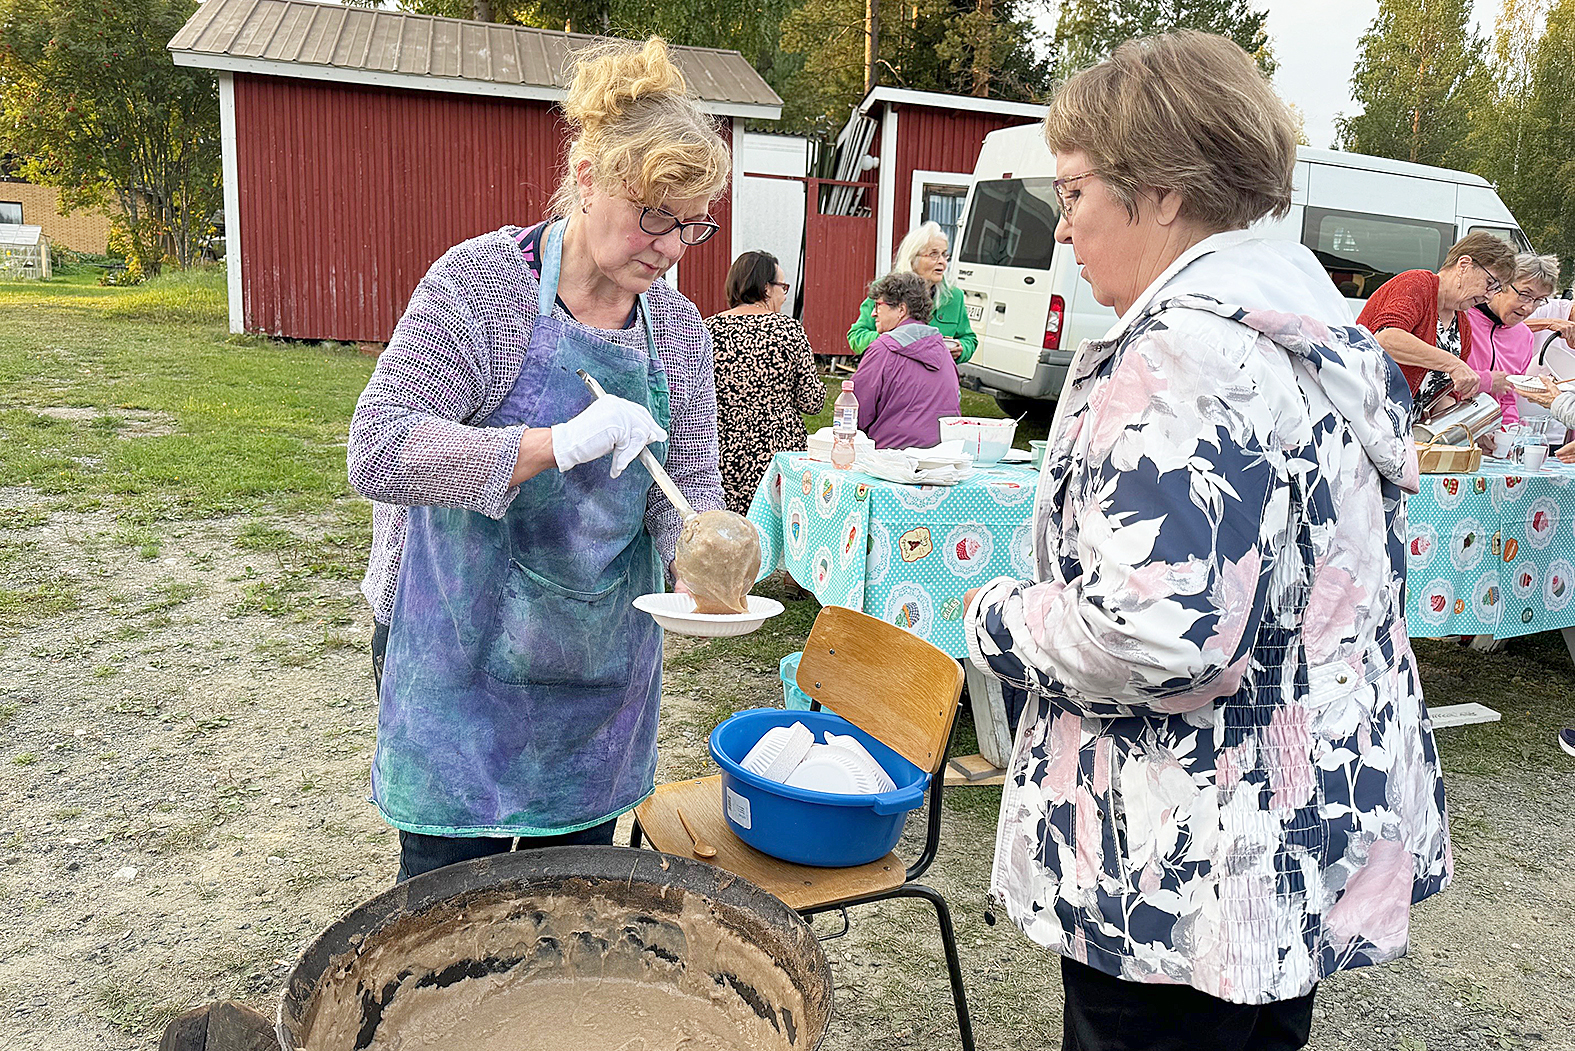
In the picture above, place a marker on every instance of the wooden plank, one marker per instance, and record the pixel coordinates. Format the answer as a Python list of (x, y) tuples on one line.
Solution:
[(800, 886), (974, 767), (1462, 714), (989, 715), (960, 777)]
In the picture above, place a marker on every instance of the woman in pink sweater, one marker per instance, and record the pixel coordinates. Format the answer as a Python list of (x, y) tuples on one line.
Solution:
[(1501, 344)]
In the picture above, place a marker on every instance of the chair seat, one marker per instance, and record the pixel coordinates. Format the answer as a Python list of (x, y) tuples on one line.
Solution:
[(800, 886)]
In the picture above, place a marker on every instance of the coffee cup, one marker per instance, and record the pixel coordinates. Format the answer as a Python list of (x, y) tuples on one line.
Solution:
[(1532, 457)]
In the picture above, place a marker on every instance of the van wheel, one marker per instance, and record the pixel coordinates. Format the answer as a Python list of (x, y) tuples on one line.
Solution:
[(1033, 408)]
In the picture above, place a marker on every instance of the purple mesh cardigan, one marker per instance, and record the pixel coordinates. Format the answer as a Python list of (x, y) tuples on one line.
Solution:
[(454, 357)]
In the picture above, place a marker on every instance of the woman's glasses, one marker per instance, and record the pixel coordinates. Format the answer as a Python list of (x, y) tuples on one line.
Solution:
[(1494, 285), (1528, 297), (783, 285), (659, 221), (1069, 200)]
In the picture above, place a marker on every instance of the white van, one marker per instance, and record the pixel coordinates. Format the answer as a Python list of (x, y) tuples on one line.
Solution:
[(1366, 218)]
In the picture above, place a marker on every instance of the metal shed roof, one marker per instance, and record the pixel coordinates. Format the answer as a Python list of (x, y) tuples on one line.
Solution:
[(356, 45)]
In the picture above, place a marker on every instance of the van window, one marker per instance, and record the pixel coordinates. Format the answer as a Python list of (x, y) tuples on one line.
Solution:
[(1011, 222), (1362, 251), (1508, 234)]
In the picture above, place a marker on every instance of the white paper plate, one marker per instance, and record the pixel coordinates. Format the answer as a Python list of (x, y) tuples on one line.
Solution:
[(675, 611), (1017, 456), (1535, 382), (779, 751), (829, 768)]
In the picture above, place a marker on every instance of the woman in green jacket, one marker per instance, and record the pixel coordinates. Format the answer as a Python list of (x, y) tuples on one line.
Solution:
[(924, 252)]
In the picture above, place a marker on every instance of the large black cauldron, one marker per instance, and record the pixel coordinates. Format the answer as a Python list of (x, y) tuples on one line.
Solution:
[(554, 913)]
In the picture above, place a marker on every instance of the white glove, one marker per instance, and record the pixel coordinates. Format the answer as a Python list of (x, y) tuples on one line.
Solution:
[(609, 425)]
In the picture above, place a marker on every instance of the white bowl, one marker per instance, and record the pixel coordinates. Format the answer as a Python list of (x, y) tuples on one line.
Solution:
[(984, 438), (675, 611)]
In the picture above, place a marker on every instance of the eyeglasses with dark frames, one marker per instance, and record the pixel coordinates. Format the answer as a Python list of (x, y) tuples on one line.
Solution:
[(659, 221), (783, 285), (1494, 285), (1528, 297)]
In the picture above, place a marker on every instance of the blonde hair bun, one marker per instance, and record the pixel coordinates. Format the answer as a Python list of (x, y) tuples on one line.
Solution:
[(612, 76), (631, 116)]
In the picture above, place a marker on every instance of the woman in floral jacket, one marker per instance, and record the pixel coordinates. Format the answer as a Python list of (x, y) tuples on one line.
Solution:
[(1225, 785)]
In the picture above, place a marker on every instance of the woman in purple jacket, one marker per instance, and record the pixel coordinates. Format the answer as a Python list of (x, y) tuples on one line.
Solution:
[(907, 379)]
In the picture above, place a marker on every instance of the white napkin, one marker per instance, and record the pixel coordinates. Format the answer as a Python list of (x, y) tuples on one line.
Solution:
[(945, 464)]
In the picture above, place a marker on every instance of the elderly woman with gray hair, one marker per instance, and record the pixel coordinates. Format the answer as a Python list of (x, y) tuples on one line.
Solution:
[(1501, 343), (925, 251), (1225, 786)]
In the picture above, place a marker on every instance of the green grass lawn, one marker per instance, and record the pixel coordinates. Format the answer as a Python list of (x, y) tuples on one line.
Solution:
[(250, 424)]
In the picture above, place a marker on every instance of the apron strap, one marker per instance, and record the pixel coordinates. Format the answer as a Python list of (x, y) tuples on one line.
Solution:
[(551, 266)]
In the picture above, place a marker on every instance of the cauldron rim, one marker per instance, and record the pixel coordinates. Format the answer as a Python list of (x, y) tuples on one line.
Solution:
[(591, 865)]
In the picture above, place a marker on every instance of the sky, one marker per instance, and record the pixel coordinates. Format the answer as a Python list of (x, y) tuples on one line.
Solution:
[(1315, 44)]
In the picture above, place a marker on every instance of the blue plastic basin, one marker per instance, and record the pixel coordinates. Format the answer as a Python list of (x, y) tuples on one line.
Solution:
[(806, 827)]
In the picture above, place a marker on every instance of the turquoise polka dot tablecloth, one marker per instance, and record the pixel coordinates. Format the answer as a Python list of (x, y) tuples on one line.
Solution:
[(1492, 553), (904, 553)]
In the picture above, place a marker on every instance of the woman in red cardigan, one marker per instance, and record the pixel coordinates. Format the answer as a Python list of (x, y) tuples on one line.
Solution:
[(1416, 317)]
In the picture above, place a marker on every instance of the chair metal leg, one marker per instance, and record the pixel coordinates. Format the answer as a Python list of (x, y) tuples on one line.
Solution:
[(949, 942)]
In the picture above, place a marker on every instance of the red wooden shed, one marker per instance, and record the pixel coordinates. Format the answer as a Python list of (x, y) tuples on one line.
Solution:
[(922, 146), (916, 150), (359, 144)]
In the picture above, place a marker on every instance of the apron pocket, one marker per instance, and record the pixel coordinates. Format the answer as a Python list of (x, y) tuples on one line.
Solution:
[(547, 633)]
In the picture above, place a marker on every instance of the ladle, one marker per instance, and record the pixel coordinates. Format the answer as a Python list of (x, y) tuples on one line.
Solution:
[(702, 848), (658, 472)]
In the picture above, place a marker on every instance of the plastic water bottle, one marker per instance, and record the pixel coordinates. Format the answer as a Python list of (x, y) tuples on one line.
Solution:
[(844, 425)]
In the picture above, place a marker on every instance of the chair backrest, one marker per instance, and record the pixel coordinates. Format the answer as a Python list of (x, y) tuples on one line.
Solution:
[(886, 681)]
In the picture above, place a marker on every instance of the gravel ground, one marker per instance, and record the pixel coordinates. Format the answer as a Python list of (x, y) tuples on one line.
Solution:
[(186, 722)]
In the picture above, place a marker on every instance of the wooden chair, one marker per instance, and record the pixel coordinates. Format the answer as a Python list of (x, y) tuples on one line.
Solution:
[(891, 684)]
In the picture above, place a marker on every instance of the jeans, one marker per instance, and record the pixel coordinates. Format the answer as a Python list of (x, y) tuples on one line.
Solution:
[(420, 853), (1109, 1014)]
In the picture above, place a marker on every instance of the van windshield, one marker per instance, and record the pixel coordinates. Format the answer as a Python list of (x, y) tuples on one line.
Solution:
[(1361, 251), (1011, 222)]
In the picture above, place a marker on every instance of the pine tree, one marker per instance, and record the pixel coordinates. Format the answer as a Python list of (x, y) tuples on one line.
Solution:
[(956, 46), (1420, 73), (1089, 30)]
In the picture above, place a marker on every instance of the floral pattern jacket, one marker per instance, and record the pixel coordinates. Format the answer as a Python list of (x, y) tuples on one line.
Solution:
[(1226, 775)]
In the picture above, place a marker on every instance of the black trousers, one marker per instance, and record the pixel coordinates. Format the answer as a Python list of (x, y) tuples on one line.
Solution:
[(420, 853), (1108, 1014)]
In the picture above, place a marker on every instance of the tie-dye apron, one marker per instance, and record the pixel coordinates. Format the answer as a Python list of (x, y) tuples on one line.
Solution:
[(520, 689)]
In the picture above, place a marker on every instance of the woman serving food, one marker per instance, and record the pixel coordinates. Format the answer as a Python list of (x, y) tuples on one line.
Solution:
[(518, 688)]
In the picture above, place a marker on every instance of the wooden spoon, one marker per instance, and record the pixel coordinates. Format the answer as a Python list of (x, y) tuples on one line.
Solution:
[(702, 848)]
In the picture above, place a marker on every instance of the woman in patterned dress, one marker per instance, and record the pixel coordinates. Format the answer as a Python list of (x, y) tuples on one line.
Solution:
[(766, 381), (1225, 785)]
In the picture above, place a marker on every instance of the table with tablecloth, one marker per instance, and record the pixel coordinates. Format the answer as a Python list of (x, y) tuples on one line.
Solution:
[(1492, 553), (903, 553)]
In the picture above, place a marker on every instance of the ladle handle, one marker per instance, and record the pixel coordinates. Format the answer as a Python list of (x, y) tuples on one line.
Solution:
[(658, 472)]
